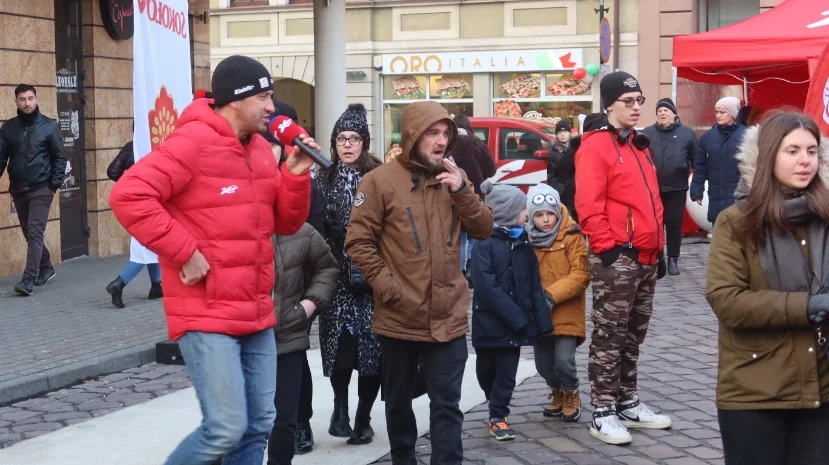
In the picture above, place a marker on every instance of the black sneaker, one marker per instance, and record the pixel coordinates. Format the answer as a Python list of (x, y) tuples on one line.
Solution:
[(500, 430), (26, 287), (46, 274)]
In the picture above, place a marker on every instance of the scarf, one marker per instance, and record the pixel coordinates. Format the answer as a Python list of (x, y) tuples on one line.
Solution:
[(541, 239), (28, 120), (781, 258), (559, 147), (514, 232), (350, 179)]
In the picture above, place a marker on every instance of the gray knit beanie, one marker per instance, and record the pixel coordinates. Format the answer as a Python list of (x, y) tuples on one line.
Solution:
[(543, 197), (507, 202)]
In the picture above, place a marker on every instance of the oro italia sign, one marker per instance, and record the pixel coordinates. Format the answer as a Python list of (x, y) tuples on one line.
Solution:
[(483, 61)]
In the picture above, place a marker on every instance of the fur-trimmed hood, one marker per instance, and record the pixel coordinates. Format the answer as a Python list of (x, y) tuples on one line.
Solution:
[(749, 151)]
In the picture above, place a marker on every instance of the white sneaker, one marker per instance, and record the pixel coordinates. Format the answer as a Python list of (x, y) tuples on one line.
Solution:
[(606, 427), (634, 414)]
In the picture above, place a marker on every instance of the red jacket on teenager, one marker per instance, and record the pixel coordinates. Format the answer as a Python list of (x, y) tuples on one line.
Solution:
[(202, 189), (618, 196)]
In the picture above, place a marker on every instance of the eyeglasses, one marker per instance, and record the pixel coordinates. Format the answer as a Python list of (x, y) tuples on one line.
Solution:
[(630, 101), (539, 199), (353, 140)]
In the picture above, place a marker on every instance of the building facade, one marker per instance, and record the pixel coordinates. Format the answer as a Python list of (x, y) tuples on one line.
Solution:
[(506, 56), (83, 78)]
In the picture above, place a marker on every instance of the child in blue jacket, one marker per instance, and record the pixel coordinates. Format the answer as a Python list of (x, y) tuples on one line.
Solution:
[(509, 307)]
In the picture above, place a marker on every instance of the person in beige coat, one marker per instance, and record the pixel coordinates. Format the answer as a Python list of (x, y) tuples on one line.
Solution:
[(768, 278)]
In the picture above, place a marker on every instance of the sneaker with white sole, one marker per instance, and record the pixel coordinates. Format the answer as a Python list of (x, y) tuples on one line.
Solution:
[(634, 414), (606, 427)]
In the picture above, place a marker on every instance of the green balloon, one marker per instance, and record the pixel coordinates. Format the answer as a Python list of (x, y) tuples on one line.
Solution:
[(592, 68)]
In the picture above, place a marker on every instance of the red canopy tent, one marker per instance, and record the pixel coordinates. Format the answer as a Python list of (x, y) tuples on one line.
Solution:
[(770, 52)]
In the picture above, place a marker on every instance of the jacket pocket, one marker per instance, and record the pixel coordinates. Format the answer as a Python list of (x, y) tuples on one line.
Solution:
[(210, 289), (454, 224), (418, 244)]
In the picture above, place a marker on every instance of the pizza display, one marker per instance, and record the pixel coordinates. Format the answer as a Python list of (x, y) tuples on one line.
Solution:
[(408, 88), (508, 109), (567, 85), (452, 87), (522, 87)]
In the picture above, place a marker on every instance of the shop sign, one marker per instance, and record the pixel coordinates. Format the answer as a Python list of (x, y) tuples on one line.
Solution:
[(483, 62), (355, 75), (536, 116), (118, 18), (66, 81)]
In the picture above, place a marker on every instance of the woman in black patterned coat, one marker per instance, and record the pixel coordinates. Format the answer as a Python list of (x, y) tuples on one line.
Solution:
[(346, 337)]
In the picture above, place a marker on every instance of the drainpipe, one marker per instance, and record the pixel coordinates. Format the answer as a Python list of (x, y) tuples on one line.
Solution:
[(616, 34)]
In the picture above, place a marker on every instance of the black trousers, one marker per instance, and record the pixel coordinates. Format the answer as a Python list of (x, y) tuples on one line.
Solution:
[(775, 437), (306, 395), (442, 364), (496, 369), (673, 204), (288, 393), (33, 213)]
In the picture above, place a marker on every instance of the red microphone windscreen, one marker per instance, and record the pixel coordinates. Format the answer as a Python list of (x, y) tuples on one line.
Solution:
[(200, 93), (285, 129)]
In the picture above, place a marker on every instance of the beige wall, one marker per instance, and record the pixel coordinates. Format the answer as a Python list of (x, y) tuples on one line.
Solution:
[(27, 55)]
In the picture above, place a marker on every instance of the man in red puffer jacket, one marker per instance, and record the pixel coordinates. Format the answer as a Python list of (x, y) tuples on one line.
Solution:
[(621, 213), (207, 202)]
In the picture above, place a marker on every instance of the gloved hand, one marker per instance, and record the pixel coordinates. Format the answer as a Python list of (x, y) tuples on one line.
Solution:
[(661, 266), (550, 301), (818, 308)]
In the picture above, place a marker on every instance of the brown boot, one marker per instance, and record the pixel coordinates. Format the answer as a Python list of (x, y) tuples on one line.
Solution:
[(553, 409), (571, 410)]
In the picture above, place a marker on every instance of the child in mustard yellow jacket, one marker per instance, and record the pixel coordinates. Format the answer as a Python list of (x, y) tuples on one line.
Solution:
[(565, 275)]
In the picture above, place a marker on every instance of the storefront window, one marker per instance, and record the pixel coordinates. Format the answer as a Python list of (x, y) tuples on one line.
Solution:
[(549, 111), (549, 97), (453, 92)]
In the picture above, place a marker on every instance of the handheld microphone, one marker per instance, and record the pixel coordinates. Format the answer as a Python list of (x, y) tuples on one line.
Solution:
[(290, 133)]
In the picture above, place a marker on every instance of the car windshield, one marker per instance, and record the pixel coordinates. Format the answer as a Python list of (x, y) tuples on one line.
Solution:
[(549, 131)]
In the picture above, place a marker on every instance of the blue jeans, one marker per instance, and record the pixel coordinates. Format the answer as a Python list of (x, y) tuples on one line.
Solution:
[(132, 269), (235, 381), (466, 249)]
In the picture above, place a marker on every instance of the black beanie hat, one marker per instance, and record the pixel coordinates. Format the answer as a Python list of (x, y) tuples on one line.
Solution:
[(666, 103), (594, 121), (614, 85), (563, 126), (239, 77), (353, 119), (284, 109)]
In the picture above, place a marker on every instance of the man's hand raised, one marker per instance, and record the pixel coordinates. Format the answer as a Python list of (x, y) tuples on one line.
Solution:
[(452, 177), (195, 269)]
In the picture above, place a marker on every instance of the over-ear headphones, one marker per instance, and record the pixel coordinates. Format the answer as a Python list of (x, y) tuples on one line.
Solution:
[(640, 140)]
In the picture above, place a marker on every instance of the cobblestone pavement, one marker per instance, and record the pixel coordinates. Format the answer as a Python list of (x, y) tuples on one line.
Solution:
[(677, 377)]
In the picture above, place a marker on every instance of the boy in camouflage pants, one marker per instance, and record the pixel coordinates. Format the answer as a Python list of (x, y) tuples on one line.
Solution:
[(621, 213)]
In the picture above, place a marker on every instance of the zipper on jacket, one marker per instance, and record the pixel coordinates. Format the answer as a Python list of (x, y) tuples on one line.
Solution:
[(650, 196), (630, 227), (452, 228), (414, 230), (256, 204)]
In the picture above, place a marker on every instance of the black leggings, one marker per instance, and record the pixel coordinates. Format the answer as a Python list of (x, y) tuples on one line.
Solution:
[(775, 437), (346, 362)]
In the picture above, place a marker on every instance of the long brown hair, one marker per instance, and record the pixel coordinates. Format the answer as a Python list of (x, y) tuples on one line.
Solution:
[(365, 163), (463, 122), (765, 203)]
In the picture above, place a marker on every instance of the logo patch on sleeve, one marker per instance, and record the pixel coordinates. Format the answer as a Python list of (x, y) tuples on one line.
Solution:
[(360, 199)]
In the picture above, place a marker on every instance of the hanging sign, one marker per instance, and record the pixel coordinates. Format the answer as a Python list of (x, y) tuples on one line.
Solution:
[(118, 18)]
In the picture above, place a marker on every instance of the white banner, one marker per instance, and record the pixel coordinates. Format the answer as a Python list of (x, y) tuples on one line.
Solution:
[(162, 80)]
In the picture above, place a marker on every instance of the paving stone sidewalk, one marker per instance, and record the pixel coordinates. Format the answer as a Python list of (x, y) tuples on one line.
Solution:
[(677, 377)]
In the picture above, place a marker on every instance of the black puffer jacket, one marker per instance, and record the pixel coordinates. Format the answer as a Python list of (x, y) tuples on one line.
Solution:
[(474, 158), (32, 147), (716, 162), (673, 151), (561, 174), (306, 270), (121, 163)]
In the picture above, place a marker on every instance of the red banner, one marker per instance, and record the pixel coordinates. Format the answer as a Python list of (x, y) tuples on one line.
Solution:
[(817, 101)]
